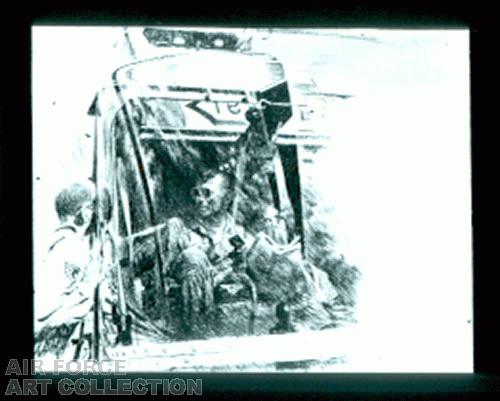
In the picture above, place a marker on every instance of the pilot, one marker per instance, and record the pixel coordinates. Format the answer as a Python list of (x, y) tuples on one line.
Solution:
[(201, 249), (200, 255)]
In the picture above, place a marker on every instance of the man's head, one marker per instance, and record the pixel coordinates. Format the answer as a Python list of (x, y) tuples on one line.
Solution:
[(211, 193), (75, 204)]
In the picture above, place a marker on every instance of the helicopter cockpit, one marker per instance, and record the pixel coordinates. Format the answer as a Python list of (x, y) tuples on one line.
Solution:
[(165, 120)]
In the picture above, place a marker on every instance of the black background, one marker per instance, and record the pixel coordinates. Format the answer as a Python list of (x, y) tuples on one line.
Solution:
[(16, 181)]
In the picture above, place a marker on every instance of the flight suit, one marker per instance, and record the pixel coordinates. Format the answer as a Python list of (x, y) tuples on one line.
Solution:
[(200, 261)]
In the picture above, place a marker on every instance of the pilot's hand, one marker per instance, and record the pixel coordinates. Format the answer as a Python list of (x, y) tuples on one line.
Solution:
[(144, 254)]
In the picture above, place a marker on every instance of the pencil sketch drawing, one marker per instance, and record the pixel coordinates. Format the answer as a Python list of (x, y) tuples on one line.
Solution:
[(197, 209)]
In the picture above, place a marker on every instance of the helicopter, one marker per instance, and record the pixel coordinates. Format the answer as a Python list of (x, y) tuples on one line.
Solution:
[(187, 100)]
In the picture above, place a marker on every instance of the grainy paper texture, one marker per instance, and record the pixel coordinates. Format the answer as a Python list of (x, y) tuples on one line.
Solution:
[(253, 199)]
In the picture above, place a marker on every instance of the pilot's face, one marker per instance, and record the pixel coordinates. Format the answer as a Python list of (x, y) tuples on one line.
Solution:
[(209, 196)]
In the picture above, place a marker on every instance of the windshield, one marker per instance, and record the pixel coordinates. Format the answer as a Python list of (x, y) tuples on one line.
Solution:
[(176, 155)]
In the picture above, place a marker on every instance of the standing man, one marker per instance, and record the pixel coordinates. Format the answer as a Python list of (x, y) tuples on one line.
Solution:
[(65, 283)]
